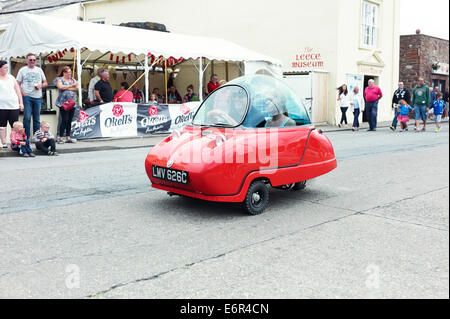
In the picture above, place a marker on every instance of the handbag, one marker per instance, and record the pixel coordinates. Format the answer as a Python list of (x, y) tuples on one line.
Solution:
[(68, 105)]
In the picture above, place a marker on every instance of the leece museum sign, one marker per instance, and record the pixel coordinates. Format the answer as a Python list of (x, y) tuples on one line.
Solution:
[(309, 59)]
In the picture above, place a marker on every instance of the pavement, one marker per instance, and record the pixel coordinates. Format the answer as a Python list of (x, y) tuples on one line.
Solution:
[(109, 144)]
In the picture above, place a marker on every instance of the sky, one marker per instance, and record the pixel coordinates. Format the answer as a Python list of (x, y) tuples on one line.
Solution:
[(430, 16)]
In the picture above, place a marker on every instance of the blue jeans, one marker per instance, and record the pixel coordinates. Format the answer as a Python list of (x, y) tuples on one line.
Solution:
[(356, 117), (395, 121), (22, 149), (372, 113), (31, 107)]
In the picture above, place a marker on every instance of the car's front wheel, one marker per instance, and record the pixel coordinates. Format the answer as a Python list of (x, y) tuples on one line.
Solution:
[(257, 198)]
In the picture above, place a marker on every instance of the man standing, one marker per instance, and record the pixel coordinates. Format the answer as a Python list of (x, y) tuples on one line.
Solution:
[(31, 80), (103, 90), (372, 94), (446, 96), (434, 94), (91, 87), (400, 94), (421, 101), (213, 83)]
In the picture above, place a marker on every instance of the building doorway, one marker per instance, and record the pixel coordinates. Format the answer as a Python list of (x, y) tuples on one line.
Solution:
[(439, 83), (366, 84)]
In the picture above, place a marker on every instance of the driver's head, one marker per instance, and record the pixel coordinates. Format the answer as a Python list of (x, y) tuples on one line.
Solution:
[(275, 103)]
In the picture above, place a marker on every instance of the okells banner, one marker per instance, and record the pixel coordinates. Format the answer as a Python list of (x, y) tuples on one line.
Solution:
[(131, 119)]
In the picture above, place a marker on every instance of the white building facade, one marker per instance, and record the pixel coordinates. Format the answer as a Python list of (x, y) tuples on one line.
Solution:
[(322, 44)]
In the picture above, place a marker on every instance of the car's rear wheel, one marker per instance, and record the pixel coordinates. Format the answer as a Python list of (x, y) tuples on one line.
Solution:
[(257, 198)]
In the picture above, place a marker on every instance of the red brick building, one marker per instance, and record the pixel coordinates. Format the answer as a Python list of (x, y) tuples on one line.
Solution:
[(424, 56)]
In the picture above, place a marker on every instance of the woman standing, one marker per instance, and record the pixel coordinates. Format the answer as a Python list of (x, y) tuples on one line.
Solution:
[(357, 103), (10, 101), (344, 103), (67, 90)]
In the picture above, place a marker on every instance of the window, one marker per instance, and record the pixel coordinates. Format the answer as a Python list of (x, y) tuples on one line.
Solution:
[(99, 21), (369, 24), (226, 106)]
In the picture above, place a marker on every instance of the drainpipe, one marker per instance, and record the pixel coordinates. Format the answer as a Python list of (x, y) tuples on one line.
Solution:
[(84, 10)]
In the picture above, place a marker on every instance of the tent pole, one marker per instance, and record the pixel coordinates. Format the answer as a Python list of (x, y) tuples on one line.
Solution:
[(80, 90), (165, 78), (146, 79), (9, 65), (200, 79)]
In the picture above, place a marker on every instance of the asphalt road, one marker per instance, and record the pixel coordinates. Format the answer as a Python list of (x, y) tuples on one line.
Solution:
[(89, 225)]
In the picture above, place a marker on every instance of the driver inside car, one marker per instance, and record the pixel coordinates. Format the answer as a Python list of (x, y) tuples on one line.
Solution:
[(277, 110)]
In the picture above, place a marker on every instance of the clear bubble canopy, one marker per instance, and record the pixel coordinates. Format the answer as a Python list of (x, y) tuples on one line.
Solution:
[(252, 101)]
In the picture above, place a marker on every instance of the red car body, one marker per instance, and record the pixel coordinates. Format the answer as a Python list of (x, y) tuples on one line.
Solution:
[(304, 153), (289, 155)]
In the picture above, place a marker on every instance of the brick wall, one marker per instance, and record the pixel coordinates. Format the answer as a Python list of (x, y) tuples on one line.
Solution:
[(417, 53)]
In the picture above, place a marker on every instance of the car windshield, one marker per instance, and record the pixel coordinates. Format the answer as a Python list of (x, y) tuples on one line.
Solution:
[(272, 103), (226, 106)]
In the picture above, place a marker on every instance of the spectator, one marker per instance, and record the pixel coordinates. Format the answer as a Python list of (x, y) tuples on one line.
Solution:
[(357, 103), (173, 96), (421, 102), (44, 139), (344, 103), (67, 87), (400, 94), (213, 83), (123, 95), (10, 101), (91, 88), (31, 79), (103, 90), (403, 109), (159, 97), (153, 99), (190, 95), (171, 80), (138, 94), (19, 140), (372, 94), (434, 94), (438, 106), (445, 113)]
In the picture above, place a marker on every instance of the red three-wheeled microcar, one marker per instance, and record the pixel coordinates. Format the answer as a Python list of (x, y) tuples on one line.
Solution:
[(247, 135)]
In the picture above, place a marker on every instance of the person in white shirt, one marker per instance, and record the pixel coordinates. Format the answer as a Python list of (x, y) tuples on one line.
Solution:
[(10, 101), (31, 80), (344, 103), (91, 87), (358, 106)]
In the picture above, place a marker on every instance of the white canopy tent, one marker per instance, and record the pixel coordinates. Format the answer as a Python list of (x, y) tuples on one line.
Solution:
[(43, 35)]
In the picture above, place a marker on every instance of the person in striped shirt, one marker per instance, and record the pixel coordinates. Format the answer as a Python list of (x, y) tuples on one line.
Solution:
[(44, 140)]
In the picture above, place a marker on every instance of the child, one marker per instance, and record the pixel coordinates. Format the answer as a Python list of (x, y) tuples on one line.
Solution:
[(438, 107), (403, 110), (153, 99), (19, 141), (44, 139)]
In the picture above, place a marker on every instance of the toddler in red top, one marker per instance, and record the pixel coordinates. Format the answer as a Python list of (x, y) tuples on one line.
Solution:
[(19, 141)]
